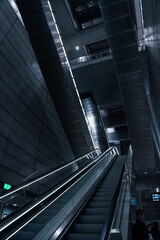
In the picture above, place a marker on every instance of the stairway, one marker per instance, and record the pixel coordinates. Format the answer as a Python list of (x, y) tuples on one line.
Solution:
[(90, 222)]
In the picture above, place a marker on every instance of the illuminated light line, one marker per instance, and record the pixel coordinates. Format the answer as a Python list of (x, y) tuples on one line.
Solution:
[(51, 202), (48, 195), (40, 178), (70, 69)]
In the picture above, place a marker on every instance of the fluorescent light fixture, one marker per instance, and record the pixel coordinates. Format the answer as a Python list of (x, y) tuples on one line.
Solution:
[(110, 130), (91, 120), (115, 230), (157, 189)]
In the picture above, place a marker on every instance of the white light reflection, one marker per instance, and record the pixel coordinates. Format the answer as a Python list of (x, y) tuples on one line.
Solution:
[(15, 8), (110, 130), (58, 232), (92, 121)]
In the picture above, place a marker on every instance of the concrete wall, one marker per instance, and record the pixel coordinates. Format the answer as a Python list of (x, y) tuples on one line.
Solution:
[(31, 135)]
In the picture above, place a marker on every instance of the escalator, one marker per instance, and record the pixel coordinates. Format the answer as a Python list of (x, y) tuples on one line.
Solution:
[(94, 218), (72, 209)]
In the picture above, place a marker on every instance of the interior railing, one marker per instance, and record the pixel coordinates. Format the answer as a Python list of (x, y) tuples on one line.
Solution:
[(90, 57), (63, 194), (90, 155), (40, 182)]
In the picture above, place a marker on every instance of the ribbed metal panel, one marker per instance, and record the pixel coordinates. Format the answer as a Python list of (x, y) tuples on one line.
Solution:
[(96, 123), (121, 35)]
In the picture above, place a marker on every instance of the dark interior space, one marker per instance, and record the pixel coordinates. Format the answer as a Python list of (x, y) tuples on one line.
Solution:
[(79, 79)]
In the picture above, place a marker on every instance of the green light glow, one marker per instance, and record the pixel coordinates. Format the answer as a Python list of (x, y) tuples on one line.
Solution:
[(6, 186)]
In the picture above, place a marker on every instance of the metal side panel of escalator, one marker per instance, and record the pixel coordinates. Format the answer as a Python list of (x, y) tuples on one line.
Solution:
[(85, 200), (91, 221)]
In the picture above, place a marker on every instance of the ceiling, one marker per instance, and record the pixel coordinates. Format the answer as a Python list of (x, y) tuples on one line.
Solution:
[(111, 65), (88, 50), (93, 66), (124, 100)]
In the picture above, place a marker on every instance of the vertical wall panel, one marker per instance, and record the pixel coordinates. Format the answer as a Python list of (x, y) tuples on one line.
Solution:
[(31, 135), (151, 15)]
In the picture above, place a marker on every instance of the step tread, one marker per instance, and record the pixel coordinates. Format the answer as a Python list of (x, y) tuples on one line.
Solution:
[(100, 199), (87, 228), (97, 204), (91, 219), (95, 211), (83, 236), (22, 235), (33, 227)]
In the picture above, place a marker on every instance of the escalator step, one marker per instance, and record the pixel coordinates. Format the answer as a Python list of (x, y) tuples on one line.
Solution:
[(87, 228), (95, 211), (100, 199), (41, 219), (82, 236), (103, 188), (102, 194), (97, 198), (98, 204), (49, 212), (33, 227), (91, 219), (106, 187), (22, 235), (107, 184)]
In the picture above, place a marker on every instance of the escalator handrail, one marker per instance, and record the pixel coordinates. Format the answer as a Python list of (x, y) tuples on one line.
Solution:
[(19, 214), (38, 172), (125, 188), (107, 226), (30, 182)]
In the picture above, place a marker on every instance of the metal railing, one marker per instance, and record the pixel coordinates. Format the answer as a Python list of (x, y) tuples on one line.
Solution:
[(120, 223), (89, 155), (10, 225), (49, 171), (90, 57)]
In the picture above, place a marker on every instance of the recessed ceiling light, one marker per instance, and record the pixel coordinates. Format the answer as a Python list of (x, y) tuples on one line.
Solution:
[(145, 173), (110, 130), (77, 47)]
